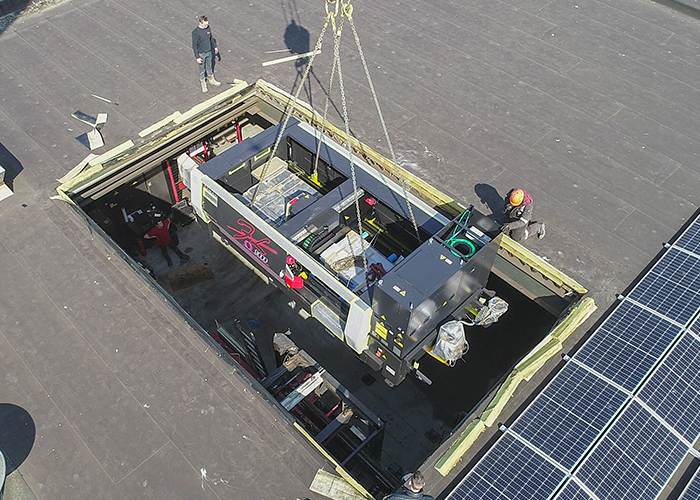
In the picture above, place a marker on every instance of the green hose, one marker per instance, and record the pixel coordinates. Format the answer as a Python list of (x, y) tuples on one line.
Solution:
[(453, 239), (471, 245)]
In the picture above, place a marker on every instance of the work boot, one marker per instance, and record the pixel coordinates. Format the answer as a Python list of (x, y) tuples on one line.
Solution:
[(212, 81), (204, 86), (541, 232)]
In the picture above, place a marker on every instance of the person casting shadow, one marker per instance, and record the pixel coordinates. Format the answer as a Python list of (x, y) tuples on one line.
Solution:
[(489, 196)]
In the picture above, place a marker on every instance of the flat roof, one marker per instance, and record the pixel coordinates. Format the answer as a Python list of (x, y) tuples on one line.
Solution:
[(591, 106)]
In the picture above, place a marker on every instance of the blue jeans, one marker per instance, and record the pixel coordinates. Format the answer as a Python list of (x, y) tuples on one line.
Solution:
[(205, 68)]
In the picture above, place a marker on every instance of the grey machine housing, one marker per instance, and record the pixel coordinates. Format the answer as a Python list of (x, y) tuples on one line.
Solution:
[(433, 285)]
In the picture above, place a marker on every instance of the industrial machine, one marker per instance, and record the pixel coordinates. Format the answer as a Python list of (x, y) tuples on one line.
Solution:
[(282, 199), (379, 268)]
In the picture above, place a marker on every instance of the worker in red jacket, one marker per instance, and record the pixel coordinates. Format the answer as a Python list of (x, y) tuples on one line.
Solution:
[(161, 233), (518, 223)]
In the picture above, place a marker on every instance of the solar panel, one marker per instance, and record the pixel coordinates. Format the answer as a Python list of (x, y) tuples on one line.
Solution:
[(569, 415), (634, 459), (509, 470), (692, 489), (573, 491), (695, 327), (628, 344), (672, 286), (673, 391), (690, 239)]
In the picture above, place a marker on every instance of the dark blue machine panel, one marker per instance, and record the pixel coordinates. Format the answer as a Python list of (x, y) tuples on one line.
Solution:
[(690, 239), (672, 287), (673, 391), (635, 458), (509, 471), (570, 414), (628, 344)]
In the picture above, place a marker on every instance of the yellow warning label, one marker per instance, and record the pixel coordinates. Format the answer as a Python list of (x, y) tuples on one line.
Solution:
[(383, 317), (403, 293), (442, 257), (380, 330)]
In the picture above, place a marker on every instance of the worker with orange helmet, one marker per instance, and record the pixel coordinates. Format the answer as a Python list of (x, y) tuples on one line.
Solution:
[(518, 223)]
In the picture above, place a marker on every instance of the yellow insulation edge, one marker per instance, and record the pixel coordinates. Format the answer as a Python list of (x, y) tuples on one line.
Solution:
[(338, 468), (541, 265), (116, 151), (202, 106), (94, 165), (580, 313), (524, 370), (505, 392), (160, 124), (459, 446), (528, 367), (177, 118)]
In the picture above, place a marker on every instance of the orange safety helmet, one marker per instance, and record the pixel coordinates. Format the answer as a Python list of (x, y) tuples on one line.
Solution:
[(516, 197)]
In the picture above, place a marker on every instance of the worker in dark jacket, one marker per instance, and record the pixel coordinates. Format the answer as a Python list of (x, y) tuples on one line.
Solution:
[(204, 47), (518, 223), (412, 488)]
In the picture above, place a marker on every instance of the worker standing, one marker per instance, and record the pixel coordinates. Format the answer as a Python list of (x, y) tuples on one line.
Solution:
[(204, 47), (161, 233), (518, 222), (412, 488)]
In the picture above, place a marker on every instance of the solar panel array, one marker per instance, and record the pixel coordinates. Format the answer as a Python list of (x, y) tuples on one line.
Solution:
[(634, 459), (569, 415), (622, 415), (512, 470)]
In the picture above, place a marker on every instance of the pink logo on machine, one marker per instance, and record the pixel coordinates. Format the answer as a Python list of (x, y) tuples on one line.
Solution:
[(258, 247)]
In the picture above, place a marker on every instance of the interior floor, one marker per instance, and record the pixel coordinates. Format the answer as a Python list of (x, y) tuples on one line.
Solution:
[(418, 417)]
